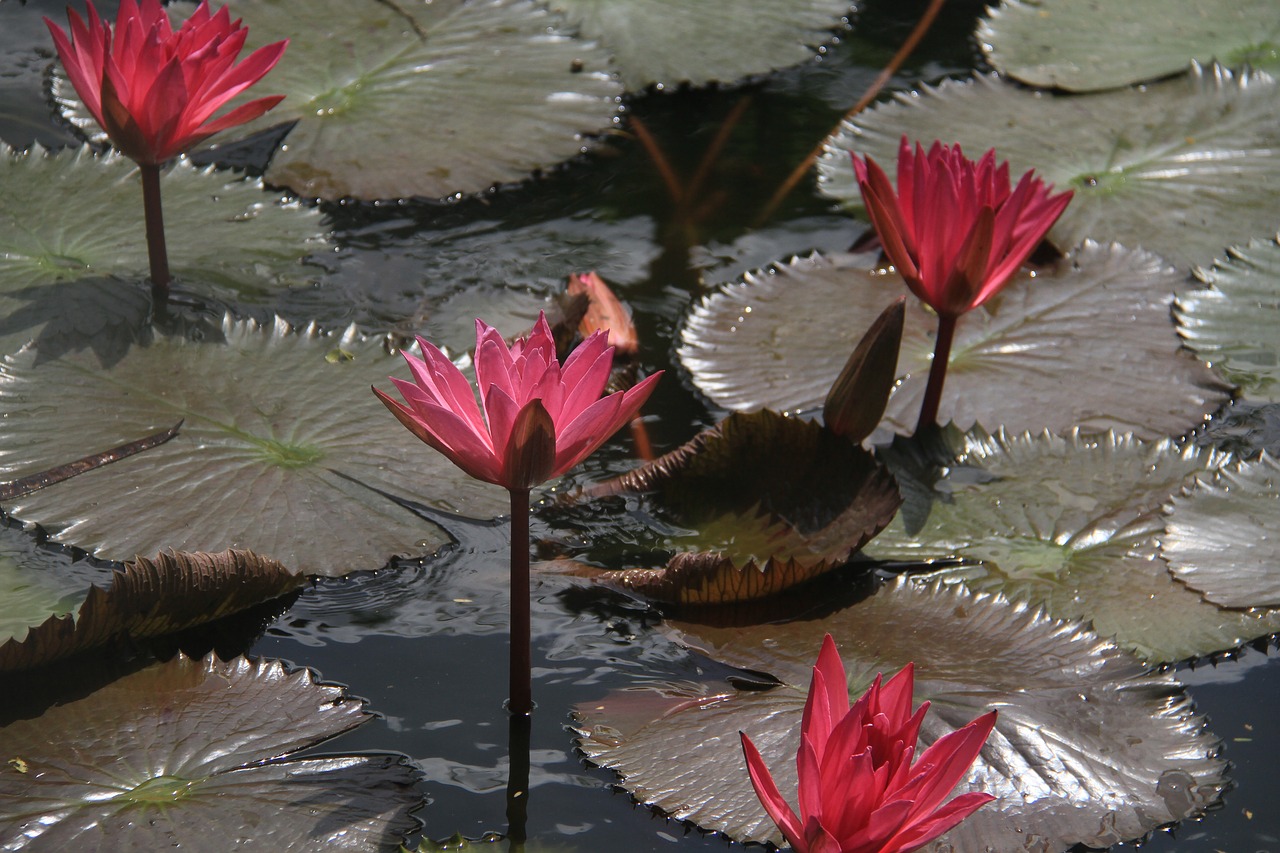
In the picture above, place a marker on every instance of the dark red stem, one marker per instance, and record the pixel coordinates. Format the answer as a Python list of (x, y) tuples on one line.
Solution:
[(521, 695), (156, 251), (518, 740), (937, 372)]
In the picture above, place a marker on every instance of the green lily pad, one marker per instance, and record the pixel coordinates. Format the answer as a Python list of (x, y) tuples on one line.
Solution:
[(1235, 321), (1090, 746), (1220, 537), (74, 216), (152, 597), (284, 451), (1181, 168), (1085, 344), (36, 581), (768, 502), (666, 42), (197, 753), (395, 100), (1072, 524), (1083, 45)]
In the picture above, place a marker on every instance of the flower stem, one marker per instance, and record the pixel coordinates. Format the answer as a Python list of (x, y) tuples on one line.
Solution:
[(937, 372), (521, 695), (518, 740), (156, 251)]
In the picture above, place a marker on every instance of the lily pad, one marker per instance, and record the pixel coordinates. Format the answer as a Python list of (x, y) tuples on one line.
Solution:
[(197, 753), (1220, 536), (1090, 746), (1069, 523), (1181, 168), (1085, 344), (424, 99), (770, 502), (666, 42), (284, 451), (74, 216), (1083, 45), (1235, 321), (152, 597), (37, 580)]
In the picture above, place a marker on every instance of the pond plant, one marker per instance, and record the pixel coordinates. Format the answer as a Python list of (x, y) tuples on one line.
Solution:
[(1045, 555)]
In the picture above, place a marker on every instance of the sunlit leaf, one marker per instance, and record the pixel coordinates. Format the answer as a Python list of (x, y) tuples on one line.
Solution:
[(1235, 321), (423, 99), (1090, 746), (1087, 343), (196, 753), (1181, 168), (1072, 524), (1220, 537), (284, 451), (75, 218), (1083, 45), (152, 597), (670, 41), (36, 581)]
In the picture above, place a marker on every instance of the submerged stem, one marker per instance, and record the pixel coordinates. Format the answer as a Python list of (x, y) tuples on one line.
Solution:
[(937, 372), (521, 695), (157, 254), (518, 740)]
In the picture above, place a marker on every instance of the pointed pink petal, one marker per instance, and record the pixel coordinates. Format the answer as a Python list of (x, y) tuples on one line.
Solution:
[(772, 801)]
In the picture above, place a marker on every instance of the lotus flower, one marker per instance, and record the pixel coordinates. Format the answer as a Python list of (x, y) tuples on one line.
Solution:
[(862, 789), (956, 231), (155, 91), (536, 418)]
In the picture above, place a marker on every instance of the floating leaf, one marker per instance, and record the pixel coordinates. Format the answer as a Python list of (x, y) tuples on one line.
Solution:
[(284, 451), (152, 597), (423, 99), (1220, 535), (1235, 321), (668, 41), (1081, 45), (36, 581), (1181, 168), (774, 501), (1090, 746), (196, 753), (76, 217), (1086, 344), (1072, 524)]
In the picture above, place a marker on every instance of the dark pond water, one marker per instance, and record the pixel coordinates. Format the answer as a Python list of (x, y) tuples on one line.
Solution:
[(426, 645)]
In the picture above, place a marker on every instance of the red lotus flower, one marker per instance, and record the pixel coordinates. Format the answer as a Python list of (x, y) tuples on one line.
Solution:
[(860, 791), (955, 229), (153, 90), (536, 418)]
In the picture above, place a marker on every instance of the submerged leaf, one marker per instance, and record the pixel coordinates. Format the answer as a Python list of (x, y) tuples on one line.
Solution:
[(284, 452), (1072, 524), (1085, 344), (1235, 321), (1083, 45), (1219, 536), (196, 753), (1180, 168), (152, 597), (1090, 747)]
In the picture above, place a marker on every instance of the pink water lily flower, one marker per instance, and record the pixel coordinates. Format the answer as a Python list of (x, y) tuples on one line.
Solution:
[(955, 229), (536, 418), (153, 89), (862, 787)]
